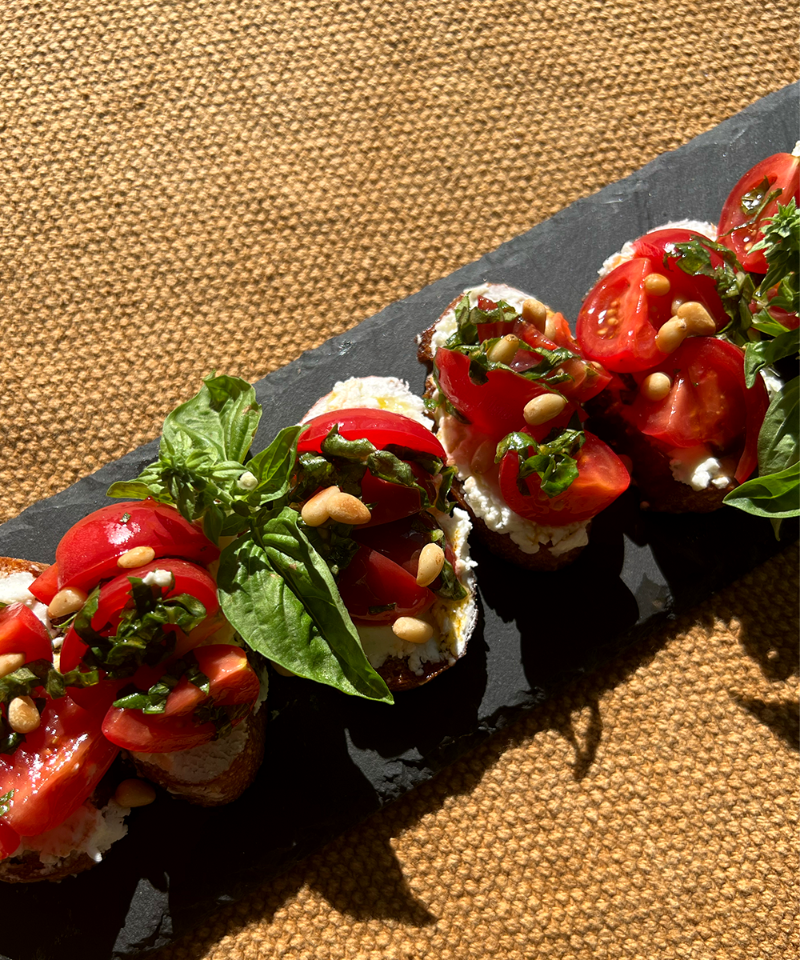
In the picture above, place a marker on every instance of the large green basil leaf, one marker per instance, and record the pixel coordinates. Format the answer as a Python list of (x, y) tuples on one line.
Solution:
[(281, 598), (778, 442), (776, 495), (765, 353), (224, 415), (273, 467)]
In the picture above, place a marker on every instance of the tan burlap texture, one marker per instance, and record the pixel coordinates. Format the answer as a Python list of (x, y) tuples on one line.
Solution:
[(221, 185)]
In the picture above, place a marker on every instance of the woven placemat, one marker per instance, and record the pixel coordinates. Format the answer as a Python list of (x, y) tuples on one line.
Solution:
[(221, 185)]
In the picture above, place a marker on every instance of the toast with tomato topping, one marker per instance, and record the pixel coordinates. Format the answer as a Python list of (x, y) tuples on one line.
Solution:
[(507, 386), (414, 621)]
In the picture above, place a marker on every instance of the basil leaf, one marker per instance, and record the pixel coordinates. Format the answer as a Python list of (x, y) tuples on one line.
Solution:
[(224, 416), (6, 802), (386, 466), (274, 466), (281, 598), (776, 495), (778, 440), (554, 460), (335, 445), (734, 286), (765, 353)]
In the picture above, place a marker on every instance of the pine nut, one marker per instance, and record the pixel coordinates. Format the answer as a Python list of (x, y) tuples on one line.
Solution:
[(345, 508), (535, 312), (66, 601), (9, 662), (431, 561), (699, 321), (671, 335), (550, 327), (136, 557), (412, 629), (543, 408), (677, 303), (315, 510), (656, 386), (504, 350), (657, 284), (483, 459), (23, 717), (134, 793)]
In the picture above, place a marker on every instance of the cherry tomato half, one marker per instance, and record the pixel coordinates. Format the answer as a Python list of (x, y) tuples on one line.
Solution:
[(708, 403), (375, 589), (45, 586), (56, 767), (602, 477), (21, 631), (495, 407), (739, 227), (382, 428), (88, 552)]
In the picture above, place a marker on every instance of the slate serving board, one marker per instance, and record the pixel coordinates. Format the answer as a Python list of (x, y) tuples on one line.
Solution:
[(333, 760)]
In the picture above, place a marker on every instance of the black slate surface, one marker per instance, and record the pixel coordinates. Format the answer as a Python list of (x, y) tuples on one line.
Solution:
[(333, 760)]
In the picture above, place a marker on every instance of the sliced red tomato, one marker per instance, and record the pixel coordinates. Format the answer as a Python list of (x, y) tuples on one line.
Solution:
[(376, 589), (21, 631), (189, 578), (708, 404), (391, 501), (154, 733), (232, 680), (495, 407), (660, 247), (45, 586), (619, 319), (602, 477), (56, 767), (741, 224), (381, 427), (9, 841), (88, 552), (403, 540)]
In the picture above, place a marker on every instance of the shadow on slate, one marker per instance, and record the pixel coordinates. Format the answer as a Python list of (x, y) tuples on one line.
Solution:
[(333, 760)]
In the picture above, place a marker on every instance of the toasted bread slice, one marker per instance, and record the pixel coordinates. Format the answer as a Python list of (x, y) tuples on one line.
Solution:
[(505, 533), (405, 665)]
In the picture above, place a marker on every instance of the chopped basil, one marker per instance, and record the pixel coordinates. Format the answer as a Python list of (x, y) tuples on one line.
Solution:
[(554, 460), (6, 802), (154, 700)]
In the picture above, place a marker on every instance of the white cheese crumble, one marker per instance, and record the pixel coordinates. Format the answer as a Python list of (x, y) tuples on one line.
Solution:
[(14, 589), (158, 578), (378, 393), (87, 830), (446, 326), (693, 466), (708, 230), (247, 481)]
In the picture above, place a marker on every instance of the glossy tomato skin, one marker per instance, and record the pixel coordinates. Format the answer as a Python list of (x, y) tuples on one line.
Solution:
[(88, 551), (372, 580), (602, 477), (709, 404), (382, 428), (151, 733), (56, 767), (495, 407), (189, 578), (45, 586), (781, 171), (392, 501), (231, 680), (21, 631)]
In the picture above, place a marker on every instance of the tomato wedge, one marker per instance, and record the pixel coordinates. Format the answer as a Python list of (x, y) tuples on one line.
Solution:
[(189, 578), (495, 407), (45, 586), (152, 733), (392, 501), (21, 631), (375, 589), (56, 767), (382, 428), (231, 680), (602, 477), (88, 551), (742, 219), (708, 404)]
